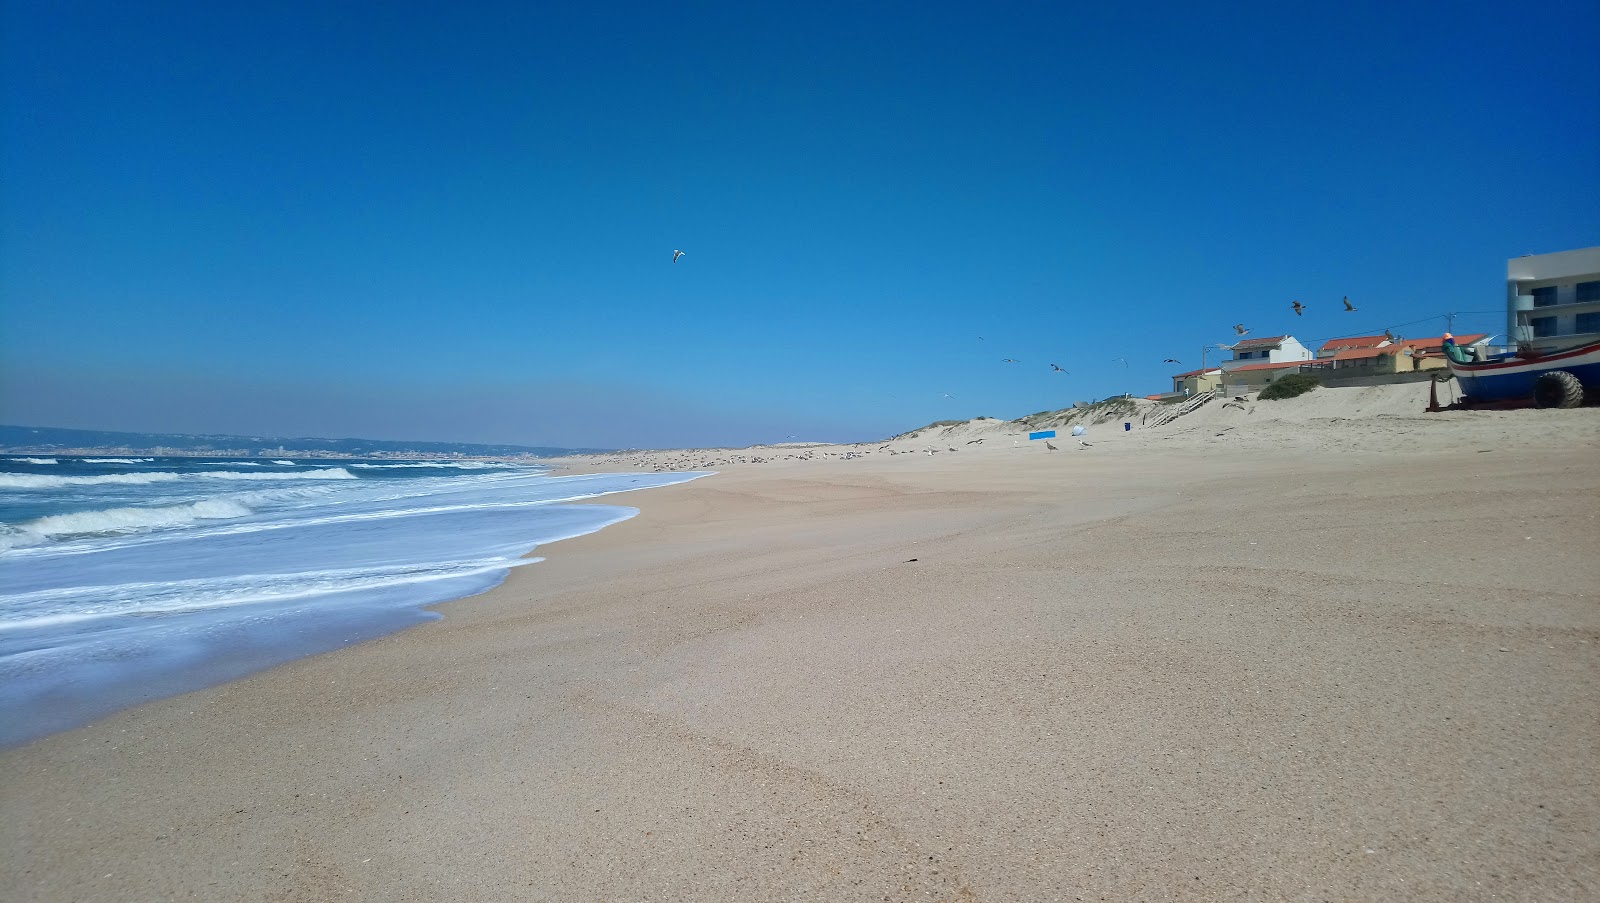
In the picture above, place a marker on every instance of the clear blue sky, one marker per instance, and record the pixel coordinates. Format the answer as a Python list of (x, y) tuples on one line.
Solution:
[(455, 221)]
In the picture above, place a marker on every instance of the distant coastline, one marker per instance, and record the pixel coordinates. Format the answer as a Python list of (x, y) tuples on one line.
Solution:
[(39, 440)]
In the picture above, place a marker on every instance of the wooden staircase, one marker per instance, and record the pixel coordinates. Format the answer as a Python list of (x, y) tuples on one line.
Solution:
[(1178, 410)]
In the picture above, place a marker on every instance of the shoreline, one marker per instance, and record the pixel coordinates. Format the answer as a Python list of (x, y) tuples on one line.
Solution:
[(1186, 672)]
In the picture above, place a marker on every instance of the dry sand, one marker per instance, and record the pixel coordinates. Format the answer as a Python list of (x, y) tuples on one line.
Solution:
[(1322, 656)]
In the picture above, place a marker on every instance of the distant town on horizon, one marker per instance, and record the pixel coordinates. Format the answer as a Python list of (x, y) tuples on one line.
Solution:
[(27, 440)]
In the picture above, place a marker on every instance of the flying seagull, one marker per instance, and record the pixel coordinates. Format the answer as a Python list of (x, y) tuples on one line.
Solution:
[(1241, 330), (1170, 360), (1059, 369), (676, 254), (1123, 359), (1011, 360), (949, 396), (1298, 308), (1347, 304)]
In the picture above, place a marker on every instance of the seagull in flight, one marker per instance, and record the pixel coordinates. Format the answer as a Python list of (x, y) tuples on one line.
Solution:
[(1011, 360), (1241, 330), (1123, 359), (1298, 308), (676, 254), (1170, 360), (1347, 304), (949, 396), (1059, 369)]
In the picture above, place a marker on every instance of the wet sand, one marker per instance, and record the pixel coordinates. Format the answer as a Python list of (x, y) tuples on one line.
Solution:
[(1191, 671)]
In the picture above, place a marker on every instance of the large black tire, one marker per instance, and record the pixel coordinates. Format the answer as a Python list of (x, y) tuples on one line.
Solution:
[(1558, 389)]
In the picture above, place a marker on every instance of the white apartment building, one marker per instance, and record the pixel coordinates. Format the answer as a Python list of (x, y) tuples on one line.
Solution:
[(1553, 300)]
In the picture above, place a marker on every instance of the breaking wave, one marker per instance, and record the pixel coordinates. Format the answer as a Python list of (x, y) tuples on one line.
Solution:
[(120, 520), (50, 481), (117, 460), (456, 465), (37, 460)]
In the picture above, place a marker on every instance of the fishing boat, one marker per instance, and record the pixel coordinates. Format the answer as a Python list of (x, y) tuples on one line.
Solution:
[(1553, 379)]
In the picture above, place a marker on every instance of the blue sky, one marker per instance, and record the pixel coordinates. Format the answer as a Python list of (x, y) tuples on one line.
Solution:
[(455, 221)]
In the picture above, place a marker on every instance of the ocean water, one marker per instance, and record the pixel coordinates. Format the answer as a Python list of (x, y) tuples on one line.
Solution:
[(127, 579)]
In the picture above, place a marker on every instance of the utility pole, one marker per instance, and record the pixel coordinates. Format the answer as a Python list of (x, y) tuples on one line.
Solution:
[(1450, 322)]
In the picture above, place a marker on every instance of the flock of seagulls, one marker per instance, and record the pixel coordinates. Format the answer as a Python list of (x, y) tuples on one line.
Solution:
[(1299, 309), (1239, 328)]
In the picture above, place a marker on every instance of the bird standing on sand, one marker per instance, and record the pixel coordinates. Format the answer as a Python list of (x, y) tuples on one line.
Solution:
[(1298, 308), (1239, 328), (1049, 446), (1347, 304), (676, 254)]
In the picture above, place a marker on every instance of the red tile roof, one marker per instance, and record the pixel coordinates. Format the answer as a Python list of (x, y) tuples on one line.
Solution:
[(1267, 366), (1268, 342), (1435, 343), (1351, 354), (1197, 372), (1360, 341)]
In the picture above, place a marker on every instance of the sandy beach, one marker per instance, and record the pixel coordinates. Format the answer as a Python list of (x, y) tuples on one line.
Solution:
[(1331, 650)]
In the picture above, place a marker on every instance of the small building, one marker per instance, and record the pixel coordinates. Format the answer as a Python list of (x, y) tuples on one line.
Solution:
[(1381, 355), (1332, 347), (1254, 377), (1553, 300), (1279, 349), (1206, 379)]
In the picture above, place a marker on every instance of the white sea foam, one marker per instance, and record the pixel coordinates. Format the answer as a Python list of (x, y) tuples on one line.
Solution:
[(37, 460), (51, 481), (56, 607), (232, 464), (454, 465), (117, 460), (325, 473), (123, 520), (286, 463)]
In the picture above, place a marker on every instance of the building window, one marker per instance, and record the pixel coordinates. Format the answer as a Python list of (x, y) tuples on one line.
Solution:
[(1544, 297), (1589, 322), (1589, 291), (1543, 326)]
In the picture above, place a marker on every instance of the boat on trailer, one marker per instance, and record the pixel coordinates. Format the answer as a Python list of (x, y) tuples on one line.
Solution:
[(1553, 379)]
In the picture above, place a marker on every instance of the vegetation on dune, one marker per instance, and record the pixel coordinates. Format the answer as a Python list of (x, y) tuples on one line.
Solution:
[(1289, 387), (1101, 411)]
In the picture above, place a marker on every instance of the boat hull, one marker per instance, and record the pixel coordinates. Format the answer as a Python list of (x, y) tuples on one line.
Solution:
[(1512, 377)]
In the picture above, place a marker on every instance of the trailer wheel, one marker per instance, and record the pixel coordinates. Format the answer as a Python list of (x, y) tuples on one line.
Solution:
[(1558, 389)]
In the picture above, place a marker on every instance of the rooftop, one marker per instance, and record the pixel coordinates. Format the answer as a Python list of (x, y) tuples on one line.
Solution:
[(1199, 372), (1267, 342), (1360, 341), (1268, 366)]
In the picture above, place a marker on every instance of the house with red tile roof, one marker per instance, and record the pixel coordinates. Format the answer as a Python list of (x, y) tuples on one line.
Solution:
[(1351, 343), (1194, 382)]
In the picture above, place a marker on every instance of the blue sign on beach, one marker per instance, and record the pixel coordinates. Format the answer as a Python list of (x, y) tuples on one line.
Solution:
[(1046, 434)]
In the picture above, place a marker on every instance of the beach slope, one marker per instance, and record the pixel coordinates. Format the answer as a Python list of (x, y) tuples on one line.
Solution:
[(1188, 671)]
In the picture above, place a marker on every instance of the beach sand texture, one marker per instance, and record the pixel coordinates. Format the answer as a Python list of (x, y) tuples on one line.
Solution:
[(1309, 659)]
